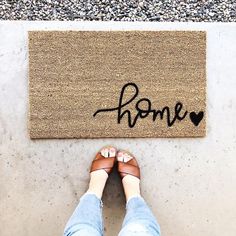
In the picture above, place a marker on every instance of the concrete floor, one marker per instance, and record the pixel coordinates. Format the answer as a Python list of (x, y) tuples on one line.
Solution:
[(190, 184)]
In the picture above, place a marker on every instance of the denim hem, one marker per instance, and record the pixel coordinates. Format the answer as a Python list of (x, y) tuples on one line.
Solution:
[(93, 194), (135, 196)]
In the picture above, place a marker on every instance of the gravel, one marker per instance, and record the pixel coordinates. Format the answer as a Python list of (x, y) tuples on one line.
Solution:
[(120, 10)]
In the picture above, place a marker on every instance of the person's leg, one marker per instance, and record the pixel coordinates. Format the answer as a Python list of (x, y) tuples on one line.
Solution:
[(87, 217), (139, 220)]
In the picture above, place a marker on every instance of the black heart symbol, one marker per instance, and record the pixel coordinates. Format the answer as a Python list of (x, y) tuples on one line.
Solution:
[(196, 118)]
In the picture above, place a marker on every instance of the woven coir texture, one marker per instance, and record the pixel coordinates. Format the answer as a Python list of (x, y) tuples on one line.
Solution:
[(117, 84)]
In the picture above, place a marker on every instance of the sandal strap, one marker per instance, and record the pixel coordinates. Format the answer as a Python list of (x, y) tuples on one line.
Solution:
[(128, 169), (103, 163)]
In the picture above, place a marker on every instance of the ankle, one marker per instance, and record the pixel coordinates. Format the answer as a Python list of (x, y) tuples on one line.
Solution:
[(98, 175), (131, 186), (97, 182)]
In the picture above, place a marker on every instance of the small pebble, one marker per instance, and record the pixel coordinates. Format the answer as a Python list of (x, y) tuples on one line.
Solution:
[(120, 10)]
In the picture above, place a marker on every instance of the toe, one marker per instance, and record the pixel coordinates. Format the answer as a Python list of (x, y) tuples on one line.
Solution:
[(104, 152), (112, 152), (127, 158), (123, 156), (108, 151), (120, 156)]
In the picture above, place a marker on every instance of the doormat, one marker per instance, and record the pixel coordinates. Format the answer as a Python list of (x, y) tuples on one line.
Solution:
[(98, 84)]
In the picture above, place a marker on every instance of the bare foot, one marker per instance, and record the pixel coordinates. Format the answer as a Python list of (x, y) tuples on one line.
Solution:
[(131, 183), (98, 178)]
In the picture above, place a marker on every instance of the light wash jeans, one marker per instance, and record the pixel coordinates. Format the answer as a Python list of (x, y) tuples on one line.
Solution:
[(87, 218)]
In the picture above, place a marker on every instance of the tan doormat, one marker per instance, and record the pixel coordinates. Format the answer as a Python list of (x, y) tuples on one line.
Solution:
[(117, 84)]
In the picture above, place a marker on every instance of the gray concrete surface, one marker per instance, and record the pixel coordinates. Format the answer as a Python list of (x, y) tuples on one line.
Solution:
[(190, 184)]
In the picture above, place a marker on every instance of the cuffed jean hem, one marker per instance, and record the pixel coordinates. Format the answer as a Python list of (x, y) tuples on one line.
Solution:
[(139, 220), (87, 217)]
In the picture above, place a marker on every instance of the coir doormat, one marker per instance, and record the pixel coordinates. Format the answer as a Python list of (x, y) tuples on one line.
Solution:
[(117, 84)]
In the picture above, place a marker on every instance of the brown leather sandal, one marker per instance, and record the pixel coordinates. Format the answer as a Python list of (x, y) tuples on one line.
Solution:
[(129, 168), (100, 162)]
